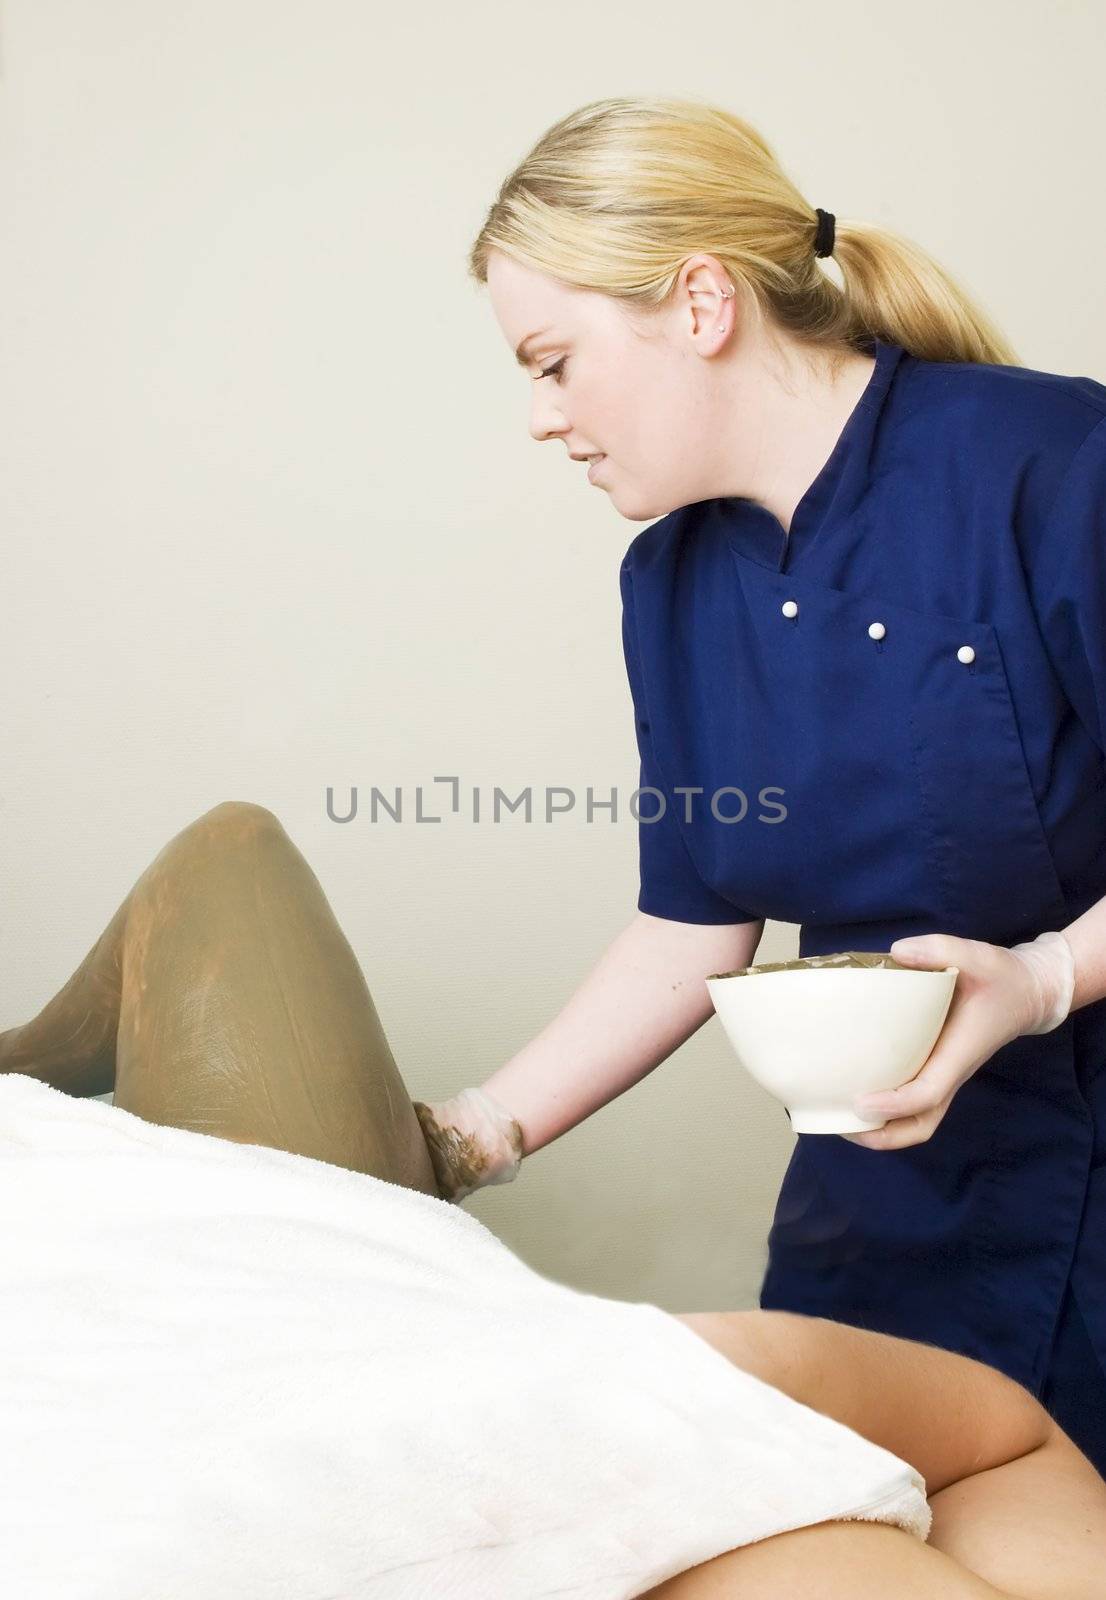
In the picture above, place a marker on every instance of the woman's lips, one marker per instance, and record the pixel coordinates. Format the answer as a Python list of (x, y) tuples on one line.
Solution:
[(594, 466)]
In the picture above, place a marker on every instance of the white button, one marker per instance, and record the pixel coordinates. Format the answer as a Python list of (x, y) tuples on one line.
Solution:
[(965, 654), (876, 630), (790, 608)]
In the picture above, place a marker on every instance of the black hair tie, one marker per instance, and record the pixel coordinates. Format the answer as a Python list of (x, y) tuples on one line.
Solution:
[(823, 239)]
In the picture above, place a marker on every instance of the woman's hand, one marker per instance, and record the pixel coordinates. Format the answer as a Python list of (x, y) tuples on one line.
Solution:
[(1000, 994), (473, 1141)]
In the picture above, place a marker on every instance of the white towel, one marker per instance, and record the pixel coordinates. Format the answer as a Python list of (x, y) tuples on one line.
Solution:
[(230, 1371)]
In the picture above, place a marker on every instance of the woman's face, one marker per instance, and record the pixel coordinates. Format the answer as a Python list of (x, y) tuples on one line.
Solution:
[(630, 389)]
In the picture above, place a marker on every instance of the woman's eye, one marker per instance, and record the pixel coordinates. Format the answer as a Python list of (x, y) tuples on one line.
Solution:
[(555, 370)]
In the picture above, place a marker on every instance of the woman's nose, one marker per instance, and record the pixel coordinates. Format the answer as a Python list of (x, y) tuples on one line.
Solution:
[(546, 422)]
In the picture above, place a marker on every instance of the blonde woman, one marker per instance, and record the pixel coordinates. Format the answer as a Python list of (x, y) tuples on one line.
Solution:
[(866, 646), (223, 999)]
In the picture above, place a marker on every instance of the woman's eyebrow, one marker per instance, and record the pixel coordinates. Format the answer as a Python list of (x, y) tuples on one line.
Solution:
[(520, 357)]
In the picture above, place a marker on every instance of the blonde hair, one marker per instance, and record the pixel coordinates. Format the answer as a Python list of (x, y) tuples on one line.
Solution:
[(617, 195)]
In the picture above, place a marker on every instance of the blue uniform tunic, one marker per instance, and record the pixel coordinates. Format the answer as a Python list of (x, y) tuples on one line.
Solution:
[(944, 772)]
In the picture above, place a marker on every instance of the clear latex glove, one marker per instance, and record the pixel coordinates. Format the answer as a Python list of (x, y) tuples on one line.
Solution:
[(1000, 994), (1049, 958), (473, 1142)]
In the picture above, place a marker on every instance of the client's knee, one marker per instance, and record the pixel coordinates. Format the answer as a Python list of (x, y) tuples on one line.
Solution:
[(238, 814), (230, 823), (213, 839)]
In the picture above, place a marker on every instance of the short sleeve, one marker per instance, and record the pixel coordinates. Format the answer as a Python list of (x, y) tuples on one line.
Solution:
[(1067, 578), (670, 883)]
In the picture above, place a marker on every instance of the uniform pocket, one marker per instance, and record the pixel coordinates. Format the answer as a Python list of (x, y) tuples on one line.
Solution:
[(998, 878)]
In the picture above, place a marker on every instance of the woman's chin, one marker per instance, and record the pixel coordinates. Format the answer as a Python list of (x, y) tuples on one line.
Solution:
[(629, 505), (638, 512)]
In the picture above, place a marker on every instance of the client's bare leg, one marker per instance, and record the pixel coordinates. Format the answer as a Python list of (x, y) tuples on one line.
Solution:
[(833, 1561), (224, 998), (1018, 1510)]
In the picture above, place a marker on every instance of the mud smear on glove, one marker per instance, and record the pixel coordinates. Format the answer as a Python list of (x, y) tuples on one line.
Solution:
[(458, 1157)]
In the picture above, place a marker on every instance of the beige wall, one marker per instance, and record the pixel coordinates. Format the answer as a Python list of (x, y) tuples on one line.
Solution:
[(273, 520)]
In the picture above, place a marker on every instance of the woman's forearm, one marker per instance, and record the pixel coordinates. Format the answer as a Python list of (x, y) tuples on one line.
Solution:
[(643, 998)]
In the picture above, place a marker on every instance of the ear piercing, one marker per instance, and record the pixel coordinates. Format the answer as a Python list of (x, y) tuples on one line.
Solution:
[(726, 293)]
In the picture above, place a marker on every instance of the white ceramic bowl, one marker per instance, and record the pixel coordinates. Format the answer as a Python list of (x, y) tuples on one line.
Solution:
[(817, 1037)]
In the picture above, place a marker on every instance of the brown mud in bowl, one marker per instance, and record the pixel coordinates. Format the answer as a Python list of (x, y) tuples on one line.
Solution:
[(840, 958)]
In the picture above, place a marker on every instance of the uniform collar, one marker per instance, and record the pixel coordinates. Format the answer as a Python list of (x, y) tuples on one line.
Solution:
[(755, 532)]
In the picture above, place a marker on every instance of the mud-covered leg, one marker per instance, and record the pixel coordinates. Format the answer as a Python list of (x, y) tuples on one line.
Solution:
[(71, 1043), (225, 999), (244, 1012)]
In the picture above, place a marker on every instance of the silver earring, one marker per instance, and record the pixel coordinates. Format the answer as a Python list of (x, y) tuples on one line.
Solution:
[(726, 293)]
